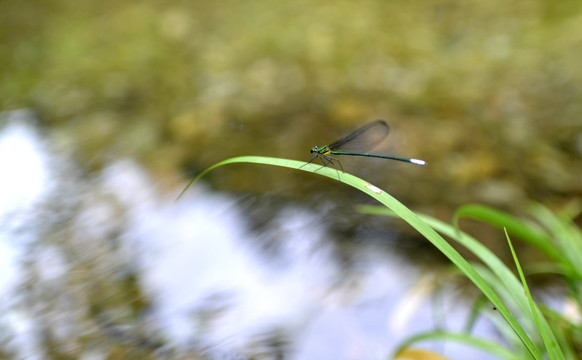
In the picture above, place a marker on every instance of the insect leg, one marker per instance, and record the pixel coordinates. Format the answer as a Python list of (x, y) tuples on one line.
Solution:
[(309, 162), (330, 160)]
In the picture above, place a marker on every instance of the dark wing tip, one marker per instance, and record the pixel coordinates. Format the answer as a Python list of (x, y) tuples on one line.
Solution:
[(383, 122)]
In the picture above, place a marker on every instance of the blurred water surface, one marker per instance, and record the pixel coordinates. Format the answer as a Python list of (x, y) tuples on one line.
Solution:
[(108, 265)]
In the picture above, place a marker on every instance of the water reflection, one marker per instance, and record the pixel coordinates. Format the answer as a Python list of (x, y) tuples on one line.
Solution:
[(109, 265)]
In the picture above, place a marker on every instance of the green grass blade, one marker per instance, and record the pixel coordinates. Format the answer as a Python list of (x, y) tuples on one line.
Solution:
[(292, 164), (503, 273), (567, 332), (547, 334), (565, 236), (408, 216), (487, 346), (505, 281), (514, 226)]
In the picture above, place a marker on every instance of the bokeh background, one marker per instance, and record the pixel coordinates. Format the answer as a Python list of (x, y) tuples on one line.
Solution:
[(487, 92)]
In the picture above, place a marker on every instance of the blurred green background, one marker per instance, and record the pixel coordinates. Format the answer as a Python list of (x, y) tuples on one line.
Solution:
[(488, 92)]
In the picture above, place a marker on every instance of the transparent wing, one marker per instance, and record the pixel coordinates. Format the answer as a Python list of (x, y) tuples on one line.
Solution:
[(363, 139)]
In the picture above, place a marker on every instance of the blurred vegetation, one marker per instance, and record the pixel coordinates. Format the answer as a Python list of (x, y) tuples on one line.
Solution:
[(488, 92), (541, 323)]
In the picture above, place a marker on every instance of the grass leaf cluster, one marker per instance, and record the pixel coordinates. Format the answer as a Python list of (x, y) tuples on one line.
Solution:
[(530, 329)]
